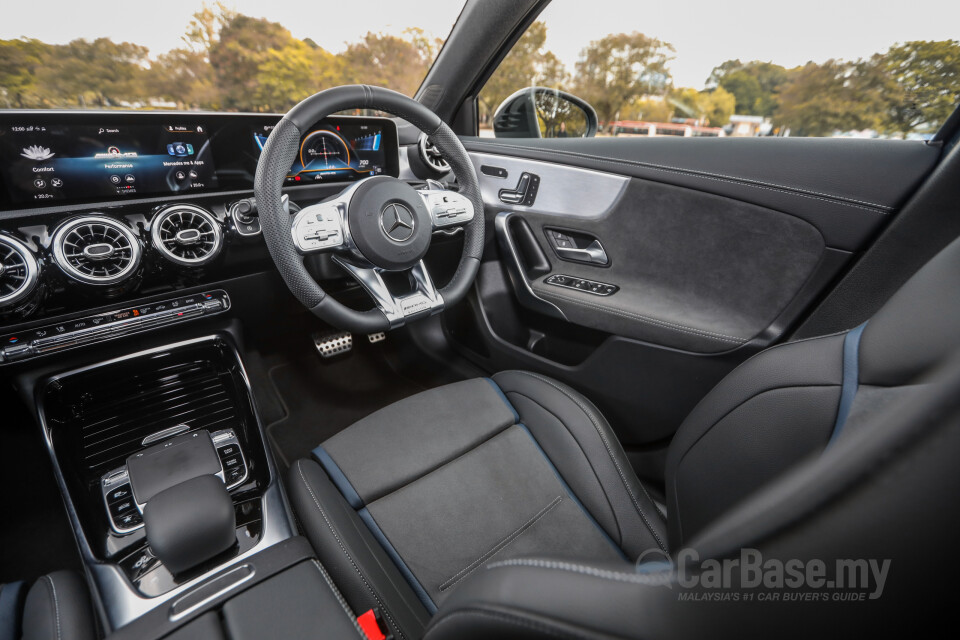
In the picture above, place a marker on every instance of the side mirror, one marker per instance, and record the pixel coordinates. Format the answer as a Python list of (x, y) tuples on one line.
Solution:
[(541, 112)]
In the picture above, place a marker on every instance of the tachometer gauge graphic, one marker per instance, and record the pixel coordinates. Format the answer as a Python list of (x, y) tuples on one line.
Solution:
[(323, 151)]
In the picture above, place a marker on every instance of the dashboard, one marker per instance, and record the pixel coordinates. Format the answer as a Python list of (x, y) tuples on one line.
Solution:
[(134, 220), (71, 158)]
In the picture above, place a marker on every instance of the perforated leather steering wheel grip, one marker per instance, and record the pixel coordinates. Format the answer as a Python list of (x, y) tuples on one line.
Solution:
[(278, 156)]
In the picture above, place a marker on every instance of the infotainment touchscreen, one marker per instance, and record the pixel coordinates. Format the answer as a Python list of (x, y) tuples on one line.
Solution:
[(49, 162), (340, 149)]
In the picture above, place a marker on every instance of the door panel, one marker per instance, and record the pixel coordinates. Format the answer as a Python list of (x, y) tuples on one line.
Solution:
[(846, 188), (696, 271), (710, 266)]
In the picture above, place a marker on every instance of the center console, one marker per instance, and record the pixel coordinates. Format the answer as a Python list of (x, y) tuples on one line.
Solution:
[(172, 434)]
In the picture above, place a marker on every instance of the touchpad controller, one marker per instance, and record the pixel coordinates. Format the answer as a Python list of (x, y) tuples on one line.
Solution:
[(171, 462)]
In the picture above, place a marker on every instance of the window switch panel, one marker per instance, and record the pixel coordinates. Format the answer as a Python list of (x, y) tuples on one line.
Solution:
[(581, 284)]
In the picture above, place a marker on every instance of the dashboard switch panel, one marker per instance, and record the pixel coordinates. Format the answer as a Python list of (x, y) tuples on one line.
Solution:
[(581, 284), (112, 324)]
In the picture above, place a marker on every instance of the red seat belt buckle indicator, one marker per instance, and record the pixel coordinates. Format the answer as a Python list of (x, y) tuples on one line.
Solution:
[(372, 626)]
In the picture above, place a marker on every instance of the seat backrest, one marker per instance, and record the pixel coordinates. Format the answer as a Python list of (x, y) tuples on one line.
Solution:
[(793, 400), (876, 510)]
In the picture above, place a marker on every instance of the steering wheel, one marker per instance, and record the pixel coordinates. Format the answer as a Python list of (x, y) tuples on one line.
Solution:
[(375, 225)]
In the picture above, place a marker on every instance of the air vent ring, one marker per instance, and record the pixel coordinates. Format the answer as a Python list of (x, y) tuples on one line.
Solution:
[(186, 235), (19, 271), (431, 155), (96, 250)]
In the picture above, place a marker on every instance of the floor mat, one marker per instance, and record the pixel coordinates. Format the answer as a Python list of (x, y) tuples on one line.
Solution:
[(323, 397)]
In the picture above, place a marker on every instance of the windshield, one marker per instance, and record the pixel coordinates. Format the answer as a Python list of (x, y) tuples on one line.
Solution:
[(244, 55)]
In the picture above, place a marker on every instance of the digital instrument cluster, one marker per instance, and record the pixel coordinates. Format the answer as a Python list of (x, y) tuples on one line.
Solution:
[(337, 150), (64, 158)]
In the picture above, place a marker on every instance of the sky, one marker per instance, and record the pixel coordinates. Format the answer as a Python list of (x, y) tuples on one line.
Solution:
[(703, 32)]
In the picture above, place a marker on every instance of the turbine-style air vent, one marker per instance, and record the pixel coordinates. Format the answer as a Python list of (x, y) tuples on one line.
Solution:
[(96, 250), (431, 155), (186, 235), (18, 271)]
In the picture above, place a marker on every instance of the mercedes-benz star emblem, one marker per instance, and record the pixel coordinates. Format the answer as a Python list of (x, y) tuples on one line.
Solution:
[(397, 222)]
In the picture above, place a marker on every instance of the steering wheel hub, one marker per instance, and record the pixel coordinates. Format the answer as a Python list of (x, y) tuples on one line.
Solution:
[(389, 223)]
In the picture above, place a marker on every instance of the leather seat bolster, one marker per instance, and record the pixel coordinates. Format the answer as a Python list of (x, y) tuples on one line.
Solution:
[(765, 416), (917, 327), (587, 454), (11, 607), (58, 607), (355, 560), (545, 598)]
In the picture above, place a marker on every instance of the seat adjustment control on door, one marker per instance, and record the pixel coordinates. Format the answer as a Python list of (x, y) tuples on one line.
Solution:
[(525, 193), (580, 284)]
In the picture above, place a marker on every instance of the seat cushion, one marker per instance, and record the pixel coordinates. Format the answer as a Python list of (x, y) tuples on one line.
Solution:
[(57, 606), (444, 482)]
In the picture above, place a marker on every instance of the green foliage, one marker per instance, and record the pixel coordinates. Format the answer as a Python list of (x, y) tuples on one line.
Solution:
[(620, 67), (235, 62), (101, 73), (754, 85), (389, 61), (528, 64), (924, 83), (19, 63)]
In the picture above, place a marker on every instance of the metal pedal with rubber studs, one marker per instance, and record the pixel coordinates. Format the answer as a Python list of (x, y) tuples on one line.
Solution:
[(333, 344), (374, 338)]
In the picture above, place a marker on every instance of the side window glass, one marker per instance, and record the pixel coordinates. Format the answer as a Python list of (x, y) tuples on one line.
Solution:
[(580, 74)]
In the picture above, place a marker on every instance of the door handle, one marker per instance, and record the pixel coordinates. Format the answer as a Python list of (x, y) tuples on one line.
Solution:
[(593, 253)]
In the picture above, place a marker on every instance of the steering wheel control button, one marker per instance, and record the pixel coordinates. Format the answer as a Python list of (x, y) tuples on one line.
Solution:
[(581, 284), (447, 208), (318, 228)]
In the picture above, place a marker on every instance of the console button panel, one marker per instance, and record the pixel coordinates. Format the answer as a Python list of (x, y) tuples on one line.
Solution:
[(126, 514), (112, 324)]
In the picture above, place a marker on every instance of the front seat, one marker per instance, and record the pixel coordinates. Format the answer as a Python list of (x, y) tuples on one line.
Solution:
[(55, 607), (411, 506)]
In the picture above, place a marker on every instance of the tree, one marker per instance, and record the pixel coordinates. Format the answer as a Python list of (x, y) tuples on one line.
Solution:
[(388, 61), (754, 84), (716, 106), (288, 75), (19, 61), (184, 76), (613, 71), (528, 64), (649, 109), (834, 96), (711, 106), (104, 72), (924, 83), (242, 45)]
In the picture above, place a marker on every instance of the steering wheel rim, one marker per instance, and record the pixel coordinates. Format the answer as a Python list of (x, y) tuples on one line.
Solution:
[(278, 155)]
